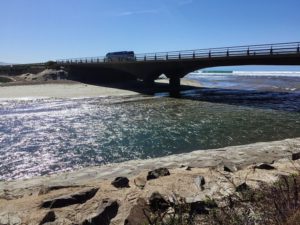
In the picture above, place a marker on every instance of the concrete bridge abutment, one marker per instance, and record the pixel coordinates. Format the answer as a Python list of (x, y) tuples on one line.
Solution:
[(174, 83)]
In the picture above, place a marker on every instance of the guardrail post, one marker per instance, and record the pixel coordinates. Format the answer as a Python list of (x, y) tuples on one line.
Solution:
[(167, 56), (298, 49), (209, 54), (97, 60), (271, 50), (194, 55), (179, 56), (248, 51), (155, 57), (145, 58), (227, 53)]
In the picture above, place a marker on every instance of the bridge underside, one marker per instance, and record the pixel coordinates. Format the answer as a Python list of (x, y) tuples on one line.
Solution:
[(148, 71)]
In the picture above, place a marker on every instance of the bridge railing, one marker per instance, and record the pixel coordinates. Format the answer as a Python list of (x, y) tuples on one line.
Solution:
[(237, 51)]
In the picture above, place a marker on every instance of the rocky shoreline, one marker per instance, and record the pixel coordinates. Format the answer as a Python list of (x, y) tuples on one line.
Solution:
[(118, 193)]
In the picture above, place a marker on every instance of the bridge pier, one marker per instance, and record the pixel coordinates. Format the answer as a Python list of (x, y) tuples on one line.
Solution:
[(174, 83), (149, 82)]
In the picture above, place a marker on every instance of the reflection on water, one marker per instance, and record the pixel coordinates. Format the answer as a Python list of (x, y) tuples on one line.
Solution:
[(46, 136)]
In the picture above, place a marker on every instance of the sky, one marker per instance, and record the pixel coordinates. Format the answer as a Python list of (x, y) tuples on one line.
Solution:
[(42, 30)]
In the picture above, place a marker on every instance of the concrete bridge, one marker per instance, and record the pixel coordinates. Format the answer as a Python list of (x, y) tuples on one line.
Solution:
[(177, 64)]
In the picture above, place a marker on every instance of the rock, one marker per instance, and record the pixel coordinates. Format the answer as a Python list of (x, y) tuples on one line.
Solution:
[(188, 168), (162, 77), (49, 217), (76, 198), (202, 207), (242, 187), (120, 182), (229, 168), (46, 189), (158, 203), (161, 172), (140, 182), (264, 166), (10, 219), (200, 182), (61, 221), (104, 213), (296, 156), (137, 213), (198, 206)]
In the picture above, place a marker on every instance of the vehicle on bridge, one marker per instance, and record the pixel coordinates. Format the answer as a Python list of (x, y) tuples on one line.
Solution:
[(119, 56)]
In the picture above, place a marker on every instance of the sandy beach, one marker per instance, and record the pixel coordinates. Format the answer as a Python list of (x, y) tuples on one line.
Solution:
[(59, 90), (69, 89)]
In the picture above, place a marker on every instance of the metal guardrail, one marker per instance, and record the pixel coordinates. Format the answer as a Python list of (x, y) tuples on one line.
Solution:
[(250, 50)]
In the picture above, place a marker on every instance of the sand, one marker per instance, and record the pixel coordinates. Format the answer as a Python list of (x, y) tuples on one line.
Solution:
[(59, 91), (67, 89)]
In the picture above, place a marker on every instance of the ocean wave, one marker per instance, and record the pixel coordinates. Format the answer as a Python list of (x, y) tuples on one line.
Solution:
[(249, 73)]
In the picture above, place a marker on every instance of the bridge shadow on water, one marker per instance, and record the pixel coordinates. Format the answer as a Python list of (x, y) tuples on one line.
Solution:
[(262, 99)]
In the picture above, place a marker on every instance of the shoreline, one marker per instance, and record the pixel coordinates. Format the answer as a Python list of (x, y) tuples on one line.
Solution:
[(239, 156), (23, 199)]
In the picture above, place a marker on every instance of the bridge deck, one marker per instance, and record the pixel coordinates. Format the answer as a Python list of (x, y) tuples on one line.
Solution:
[(209, 53)]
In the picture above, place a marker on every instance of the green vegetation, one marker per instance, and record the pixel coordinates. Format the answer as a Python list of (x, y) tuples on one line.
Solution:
[(51, 65), (5, 80)]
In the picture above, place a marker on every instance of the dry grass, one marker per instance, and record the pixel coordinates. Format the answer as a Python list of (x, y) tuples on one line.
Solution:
[(277, 204)]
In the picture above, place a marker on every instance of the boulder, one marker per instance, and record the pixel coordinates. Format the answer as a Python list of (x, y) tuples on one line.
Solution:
[(200, 182), (61, 221), (230, 168), (49, 217), (120, 182), (10, 219), (105, 212), (242, 187), (296, 156), (264, 166), (140, 182), (76, 198), (201, 207), (188, 168), (158, 203), (137, 213), (154, 174)]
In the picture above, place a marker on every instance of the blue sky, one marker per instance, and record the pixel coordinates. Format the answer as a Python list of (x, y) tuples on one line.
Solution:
[(40, 30)]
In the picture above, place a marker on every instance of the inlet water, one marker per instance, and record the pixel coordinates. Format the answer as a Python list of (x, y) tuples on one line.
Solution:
[(39, 137)]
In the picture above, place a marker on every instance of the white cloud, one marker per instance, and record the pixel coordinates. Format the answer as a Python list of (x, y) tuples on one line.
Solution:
[(130, 13)]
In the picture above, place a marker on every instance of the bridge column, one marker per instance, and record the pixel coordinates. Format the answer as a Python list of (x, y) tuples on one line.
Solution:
[(149, 82), (174, 83)]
